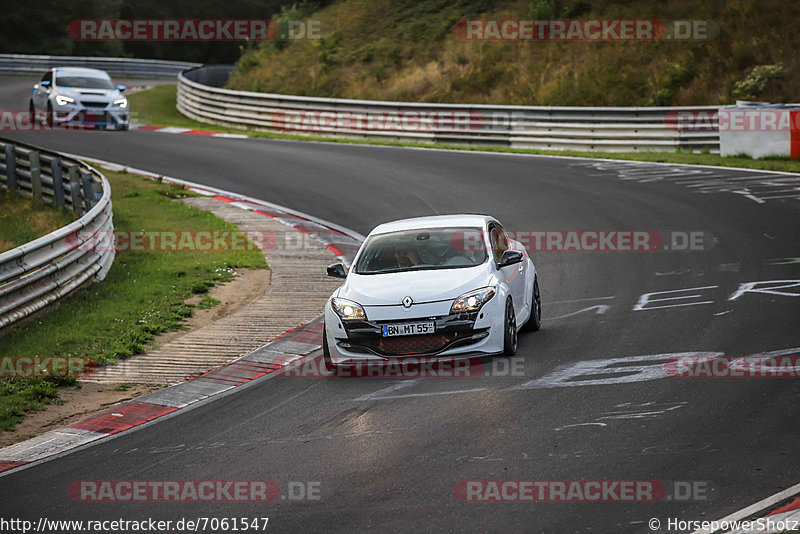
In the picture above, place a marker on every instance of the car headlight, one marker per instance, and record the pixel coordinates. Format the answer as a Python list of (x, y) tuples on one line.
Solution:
[(121, 102), (347, 309), (62, 100), (472, 301)]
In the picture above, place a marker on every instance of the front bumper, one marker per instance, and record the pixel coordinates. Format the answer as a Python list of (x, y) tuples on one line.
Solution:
[(111, 116), (456, 337)]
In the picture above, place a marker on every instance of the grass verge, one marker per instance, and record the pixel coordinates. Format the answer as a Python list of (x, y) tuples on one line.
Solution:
[(157, 106), (143, 295), (24, 219)]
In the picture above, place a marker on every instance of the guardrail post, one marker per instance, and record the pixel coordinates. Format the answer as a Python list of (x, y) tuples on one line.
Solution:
[(36, 174), (88, 192), (75, 190), (11, 167), (58, 183)]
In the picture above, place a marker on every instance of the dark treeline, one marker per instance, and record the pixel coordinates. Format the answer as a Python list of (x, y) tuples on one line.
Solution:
[(40, 26)]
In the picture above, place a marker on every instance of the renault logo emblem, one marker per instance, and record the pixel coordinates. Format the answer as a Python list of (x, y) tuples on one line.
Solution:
[(407, 302)]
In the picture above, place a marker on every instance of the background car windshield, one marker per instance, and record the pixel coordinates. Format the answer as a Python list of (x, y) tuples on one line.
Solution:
[(84, 82), (412, 250)]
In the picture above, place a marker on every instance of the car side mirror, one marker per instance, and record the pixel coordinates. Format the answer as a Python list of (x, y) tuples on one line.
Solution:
[(510, 257), (337, 270), (44, 84), (121, 88)]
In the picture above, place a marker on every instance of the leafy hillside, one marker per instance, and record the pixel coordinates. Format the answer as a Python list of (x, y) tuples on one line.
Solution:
[(39, 27), (406, 50)]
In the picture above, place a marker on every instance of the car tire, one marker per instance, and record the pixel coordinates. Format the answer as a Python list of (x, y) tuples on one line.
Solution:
[(48, 119), (326, 351), (32, 111), (535, 321), (510, 330)]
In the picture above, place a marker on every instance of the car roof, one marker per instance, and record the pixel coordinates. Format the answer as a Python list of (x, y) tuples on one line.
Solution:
[(464, 220), (81, 71)]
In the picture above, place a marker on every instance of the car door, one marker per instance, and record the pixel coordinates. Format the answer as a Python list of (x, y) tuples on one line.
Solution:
[(41, 93), (514, 275)]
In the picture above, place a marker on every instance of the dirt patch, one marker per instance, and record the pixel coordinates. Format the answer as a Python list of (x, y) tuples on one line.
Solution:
[(73, 404), (76, 403), (247, 286)]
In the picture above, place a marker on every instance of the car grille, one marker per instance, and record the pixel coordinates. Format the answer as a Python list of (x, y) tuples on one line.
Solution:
[(451, 331), (92, 104), (410, 344)]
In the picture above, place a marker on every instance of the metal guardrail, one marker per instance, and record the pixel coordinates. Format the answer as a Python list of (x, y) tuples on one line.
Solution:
[(603, 129), (119, 67), (42, 271)]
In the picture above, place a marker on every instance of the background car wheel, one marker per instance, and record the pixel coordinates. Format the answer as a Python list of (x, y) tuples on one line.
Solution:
[(32, 111), (510, 330), (326, 352), (48, 119), (535, 321)]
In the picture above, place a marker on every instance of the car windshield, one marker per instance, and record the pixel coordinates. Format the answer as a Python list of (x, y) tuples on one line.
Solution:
[(415, 250), (84, 82)]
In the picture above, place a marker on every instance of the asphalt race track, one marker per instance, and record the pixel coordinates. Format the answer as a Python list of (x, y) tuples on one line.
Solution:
[(388, 453)]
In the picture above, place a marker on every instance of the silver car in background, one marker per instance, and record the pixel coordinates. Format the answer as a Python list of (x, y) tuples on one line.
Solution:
[(72, 96)]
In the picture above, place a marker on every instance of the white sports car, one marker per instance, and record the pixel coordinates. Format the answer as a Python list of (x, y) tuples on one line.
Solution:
[(79, 96), (443, 287)]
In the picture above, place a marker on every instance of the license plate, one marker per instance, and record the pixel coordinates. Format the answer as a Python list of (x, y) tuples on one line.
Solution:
[(408, 329)]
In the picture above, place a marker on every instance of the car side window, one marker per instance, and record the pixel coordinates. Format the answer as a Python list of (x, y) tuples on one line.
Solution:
[(503, 238), (48, 77), (497, 240)]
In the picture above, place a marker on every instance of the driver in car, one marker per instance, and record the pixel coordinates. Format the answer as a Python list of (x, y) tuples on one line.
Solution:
[(405, 256)]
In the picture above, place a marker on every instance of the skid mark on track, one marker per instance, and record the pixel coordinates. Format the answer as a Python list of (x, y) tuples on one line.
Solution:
[(381, 393), (580, 424), (647, 410), (266, 440), (473, 459), (600, 309), (628, 411), (755, 186)]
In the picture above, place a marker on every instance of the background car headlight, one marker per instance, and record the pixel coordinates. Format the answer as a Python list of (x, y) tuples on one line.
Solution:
[(62, 100), (472, 301), (347, 309), (121, 102)]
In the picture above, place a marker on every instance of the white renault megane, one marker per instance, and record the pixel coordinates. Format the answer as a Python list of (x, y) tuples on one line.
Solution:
[(443, 287)]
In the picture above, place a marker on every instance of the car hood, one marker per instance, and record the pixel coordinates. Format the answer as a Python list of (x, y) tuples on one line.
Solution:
[(421, 286), (101, 94)]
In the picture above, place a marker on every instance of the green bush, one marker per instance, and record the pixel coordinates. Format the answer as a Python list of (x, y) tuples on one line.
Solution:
[(756, 82)]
